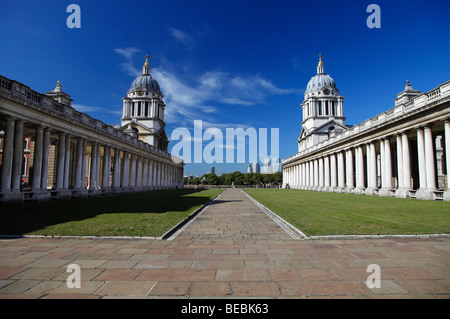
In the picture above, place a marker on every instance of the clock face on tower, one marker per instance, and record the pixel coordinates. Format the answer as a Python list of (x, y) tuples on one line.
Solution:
[(326, 92), (140, 93)]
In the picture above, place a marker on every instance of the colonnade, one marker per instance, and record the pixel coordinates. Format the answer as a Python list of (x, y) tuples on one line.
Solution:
[(403, 164), (78, 166)]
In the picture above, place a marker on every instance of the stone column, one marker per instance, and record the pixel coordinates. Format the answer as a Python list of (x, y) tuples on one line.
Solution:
[(421, 160), (78, 163), (430, 159), (37, 158), (8, 153), (133, 171), (371, 169), (333, 175), (60, 160), (307, 176), (326, 169), (349, 171), (150, 173), (388, 164), (93, 168), (316, 174), (447, 157), (45, 159), (359, 156), (145, 172), (382, 164), (386, 168), (406, 161), (321, 179), (125, 171), (116, 170), (67, 163), (17, 157), (404, 166), (340, 171), (139, 171), (106, 181), (399, 161)]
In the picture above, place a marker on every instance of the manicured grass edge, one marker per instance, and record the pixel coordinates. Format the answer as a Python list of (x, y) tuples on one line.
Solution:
[(286, 225)]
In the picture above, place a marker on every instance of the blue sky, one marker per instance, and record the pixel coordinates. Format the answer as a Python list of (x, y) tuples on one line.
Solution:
[(227, 63)]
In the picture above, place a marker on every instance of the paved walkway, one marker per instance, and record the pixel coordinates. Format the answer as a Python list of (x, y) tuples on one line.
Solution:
[(232, 249)]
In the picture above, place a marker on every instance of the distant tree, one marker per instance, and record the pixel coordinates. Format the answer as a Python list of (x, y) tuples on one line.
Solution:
[(210, 179)]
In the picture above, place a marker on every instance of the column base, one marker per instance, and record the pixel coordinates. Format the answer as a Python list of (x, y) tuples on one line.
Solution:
[(386, 192), (339, 189), (359, 191), (11, 196), (63, 193), (106, 191), (349, 190), (425, 194), (447, 196), (371, 191), (41, 195), (94, 192), (402, 193)]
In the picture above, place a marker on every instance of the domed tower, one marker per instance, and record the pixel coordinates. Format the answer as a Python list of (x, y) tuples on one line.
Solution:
[(323, 113), (143, 110)]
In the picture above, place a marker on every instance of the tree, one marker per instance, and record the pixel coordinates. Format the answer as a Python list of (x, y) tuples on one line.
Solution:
[(211, 179)]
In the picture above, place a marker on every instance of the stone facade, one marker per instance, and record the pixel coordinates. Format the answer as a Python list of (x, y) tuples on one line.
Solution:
[(73, 154), (392, 154)]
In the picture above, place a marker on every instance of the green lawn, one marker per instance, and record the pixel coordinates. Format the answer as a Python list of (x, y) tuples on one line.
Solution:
[(141, 214), (319, 213)]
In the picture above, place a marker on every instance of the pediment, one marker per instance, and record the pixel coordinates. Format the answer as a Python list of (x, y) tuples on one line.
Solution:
[(331, 125)]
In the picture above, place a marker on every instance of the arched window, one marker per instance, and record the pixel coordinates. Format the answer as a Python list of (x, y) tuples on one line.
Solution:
[(146, 108), (139, 109)]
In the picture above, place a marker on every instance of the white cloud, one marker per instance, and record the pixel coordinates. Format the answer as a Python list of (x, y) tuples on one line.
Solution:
[(181, 36), (128, 66), (86, 108), (193, 97)]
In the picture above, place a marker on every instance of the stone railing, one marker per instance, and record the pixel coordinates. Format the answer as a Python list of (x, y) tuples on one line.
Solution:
[(398, 111), (48, 104)]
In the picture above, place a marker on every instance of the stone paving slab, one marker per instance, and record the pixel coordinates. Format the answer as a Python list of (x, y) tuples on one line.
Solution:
[(231, 250)]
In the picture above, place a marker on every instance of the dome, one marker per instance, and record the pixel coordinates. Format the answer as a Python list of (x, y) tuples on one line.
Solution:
[(145, 82), (320, 81)]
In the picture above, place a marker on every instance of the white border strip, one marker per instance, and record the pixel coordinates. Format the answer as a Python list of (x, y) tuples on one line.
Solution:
[(287, 227), (174, 235)]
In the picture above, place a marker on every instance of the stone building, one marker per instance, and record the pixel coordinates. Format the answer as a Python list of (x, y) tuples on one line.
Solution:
[(402, 152), (72, 154)]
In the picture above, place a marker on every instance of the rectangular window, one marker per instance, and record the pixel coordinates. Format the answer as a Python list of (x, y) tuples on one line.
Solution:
[(139, 109), (146, 108)]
